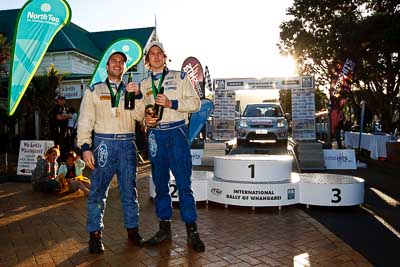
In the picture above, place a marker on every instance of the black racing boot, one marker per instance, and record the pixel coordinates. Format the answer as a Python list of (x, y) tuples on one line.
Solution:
[(134, 236), (95, 244), (193, 237), (163, 234)]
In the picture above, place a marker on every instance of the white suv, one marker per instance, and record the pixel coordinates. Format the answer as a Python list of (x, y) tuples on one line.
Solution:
[(264, 121)]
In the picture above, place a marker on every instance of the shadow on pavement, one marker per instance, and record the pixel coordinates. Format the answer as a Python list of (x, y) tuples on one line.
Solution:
[(373, 229)]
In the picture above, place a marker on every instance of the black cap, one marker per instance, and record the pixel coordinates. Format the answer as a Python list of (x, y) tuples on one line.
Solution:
[(119, 53)]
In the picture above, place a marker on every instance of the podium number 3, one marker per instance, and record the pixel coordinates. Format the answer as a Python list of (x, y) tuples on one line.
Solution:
[(252, 170), (336, 195)]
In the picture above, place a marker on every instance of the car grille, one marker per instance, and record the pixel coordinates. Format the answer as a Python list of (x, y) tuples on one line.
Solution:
[(261, 126), (269, 136)]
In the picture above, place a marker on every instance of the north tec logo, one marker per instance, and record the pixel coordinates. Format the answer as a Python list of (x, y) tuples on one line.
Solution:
[(216, 191)]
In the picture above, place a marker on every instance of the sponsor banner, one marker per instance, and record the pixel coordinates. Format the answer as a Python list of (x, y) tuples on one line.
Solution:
[(29, 151), (194, 70), (303, 108), (38, 23), (253, 195), (73, 90), (312, 189), (303, 114), (197, 156), (219, 84), (132, 49), (340, 159), (224, 113), (266, 83), (345, 77)]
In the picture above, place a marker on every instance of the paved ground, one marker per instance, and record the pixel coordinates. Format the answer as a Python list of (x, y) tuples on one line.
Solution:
[(39, 230), (373, 228)]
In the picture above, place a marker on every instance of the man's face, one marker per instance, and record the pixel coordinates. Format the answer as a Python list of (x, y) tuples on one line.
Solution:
[(116, 65), (156, 59), (61, 101)]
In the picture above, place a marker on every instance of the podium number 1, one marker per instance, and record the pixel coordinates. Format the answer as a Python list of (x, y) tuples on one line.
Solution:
[(252, 170)]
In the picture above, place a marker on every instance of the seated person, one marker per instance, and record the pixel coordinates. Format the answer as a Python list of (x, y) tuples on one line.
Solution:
[(44, 175), (70, 175)]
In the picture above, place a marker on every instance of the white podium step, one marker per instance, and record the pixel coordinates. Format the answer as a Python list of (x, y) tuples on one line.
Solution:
[(271, 184), (199, 186), (253, 168), (324, 189), (261, 194)]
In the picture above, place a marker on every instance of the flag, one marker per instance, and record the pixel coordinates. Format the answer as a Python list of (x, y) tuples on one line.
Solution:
[(345, 78), (208, 79), (194, 70), (132, 49), (199, 118), (342, 84), (38, 23)]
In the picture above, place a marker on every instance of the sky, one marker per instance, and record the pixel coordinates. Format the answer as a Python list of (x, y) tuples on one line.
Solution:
[(234, 38)]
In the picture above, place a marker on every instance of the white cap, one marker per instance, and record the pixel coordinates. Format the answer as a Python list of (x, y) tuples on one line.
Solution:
[(153, 43)]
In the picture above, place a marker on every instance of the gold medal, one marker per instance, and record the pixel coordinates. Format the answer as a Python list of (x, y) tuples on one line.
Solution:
[(117, 112)]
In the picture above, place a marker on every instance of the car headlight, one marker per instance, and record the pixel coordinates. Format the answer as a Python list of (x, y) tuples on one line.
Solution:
[(281, 123), (243, 123)]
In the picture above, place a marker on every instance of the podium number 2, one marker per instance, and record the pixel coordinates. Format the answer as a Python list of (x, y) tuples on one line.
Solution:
[(174, 189), (336, 194), (252, 170)]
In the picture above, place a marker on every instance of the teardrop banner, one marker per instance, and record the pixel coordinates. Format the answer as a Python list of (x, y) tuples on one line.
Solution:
[(38, 22), (199, 118), (130, 47), (194, 70)]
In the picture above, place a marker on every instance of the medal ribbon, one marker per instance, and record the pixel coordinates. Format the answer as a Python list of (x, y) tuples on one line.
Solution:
[(115, 97), (153, 86)]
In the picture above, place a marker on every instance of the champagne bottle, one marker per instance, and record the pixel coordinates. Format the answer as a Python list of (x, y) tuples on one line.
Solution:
[(129, 96), (159, 109)]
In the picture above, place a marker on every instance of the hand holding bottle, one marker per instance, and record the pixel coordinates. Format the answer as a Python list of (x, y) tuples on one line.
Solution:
[(132, 89), (163, 101)]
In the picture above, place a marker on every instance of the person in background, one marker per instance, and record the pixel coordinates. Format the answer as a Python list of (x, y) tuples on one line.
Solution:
[(58, 122), (112, 150), (72, 127), (44, 175), (338, 131), (376, 125), (169, 147), (70, 175)]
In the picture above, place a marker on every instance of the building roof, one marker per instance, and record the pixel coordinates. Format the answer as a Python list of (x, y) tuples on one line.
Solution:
[(74, 38)]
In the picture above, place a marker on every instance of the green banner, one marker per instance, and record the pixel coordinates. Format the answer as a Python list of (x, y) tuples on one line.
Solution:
[(37, 24), (132, 49)]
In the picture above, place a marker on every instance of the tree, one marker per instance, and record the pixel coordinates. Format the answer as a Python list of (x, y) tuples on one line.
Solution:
[(285, 98), (321, 35), (5, 49), (4, 59), (321, 100), (42, 92)]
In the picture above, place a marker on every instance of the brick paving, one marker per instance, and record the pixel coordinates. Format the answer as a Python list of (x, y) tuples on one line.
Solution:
[(41, 230)]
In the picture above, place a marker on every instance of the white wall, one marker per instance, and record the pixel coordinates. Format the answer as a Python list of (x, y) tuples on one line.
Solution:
[(68, 62)]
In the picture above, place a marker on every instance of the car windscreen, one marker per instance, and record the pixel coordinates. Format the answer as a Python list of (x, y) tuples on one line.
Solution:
[(270, 110)]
